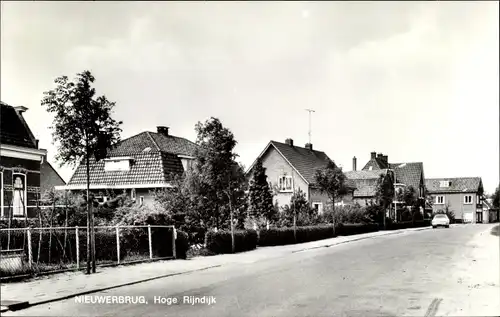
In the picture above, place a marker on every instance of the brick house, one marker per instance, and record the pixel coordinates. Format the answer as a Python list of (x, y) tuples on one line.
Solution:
[(136, 166), (406, 174), (365, 183), (462, 195), (20, 164), (49, 177), (290, 168)]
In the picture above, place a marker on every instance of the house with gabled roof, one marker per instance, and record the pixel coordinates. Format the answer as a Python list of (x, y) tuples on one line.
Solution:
[(136, 166), (20, 164), (405, 175), (365, 183), (289, 168), (462, 195)]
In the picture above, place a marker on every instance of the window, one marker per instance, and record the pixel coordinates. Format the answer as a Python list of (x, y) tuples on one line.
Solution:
[(132, 194), (117, 164), (468, 199), (444, 184), (141, 200), (285, 184), (440, 200), (318, 207), (19, 197)]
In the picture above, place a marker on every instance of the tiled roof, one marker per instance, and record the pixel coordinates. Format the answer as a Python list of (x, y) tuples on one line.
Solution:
[(146, 168), (154, 159), (14, 130), (365, 182), (458, 184), (376, 164), (305, 161), (408, 173)]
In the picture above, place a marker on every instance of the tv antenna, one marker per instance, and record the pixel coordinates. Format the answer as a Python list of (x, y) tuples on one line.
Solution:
[(310, 111)]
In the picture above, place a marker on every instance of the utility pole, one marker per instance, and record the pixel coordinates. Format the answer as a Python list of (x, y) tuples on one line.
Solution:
[(310, 111)]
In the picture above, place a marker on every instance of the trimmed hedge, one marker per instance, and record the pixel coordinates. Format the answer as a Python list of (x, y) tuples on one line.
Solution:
[(284, 236), (348, 229), (220, 242)]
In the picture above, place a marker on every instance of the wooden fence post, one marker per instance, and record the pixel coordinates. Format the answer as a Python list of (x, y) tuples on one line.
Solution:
[(77, 241), (30, 251), (150, 243), (118, 243)]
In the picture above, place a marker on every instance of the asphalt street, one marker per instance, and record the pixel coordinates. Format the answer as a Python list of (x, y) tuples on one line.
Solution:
[(410, 274)]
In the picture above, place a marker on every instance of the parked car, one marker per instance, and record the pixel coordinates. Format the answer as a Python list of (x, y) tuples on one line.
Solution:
[(440, 220)]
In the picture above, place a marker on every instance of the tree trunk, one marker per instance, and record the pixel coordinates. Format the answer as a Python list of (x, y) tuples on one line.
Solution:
[(89, 219)]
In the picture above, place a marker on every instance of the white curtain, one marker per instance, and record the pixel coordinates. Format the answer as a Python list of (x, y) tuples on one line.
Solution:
[(19, 199)]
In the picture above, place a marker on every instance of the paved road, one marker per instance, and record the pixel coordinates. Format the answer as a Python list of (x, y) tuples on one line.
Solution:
[(411, 274)]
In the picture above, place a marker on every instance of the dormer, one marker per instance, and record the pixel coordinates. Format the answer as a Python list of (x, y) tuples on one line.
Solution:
[(187, 161), (444, 184), (118, 164)]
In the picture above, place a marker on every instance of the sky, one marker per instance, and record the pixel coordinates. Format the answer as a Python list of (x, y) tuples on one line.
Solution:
[(417, 81)]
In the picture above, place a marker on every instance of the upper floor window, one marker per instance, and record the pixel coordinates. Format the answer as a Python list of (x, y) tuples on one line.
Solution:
[(444, 184), (468, 199), (439, 200), (117, 164), (285, 183)]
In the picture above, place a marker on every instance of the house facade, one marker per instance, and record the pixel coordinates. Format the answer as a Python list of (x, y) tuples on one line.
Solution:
[(462, 195), (365, 183), (290, 168), (405, 175), (136, 166), (20, 165)]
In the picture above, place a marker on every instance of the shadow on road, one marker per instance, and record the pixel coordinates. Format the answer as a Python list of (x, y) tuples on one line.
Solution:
[(496, 230)]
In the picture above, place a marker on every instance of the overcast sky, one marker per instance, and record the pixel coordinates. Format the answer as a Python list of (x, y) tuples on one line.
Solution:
[(418, 81)]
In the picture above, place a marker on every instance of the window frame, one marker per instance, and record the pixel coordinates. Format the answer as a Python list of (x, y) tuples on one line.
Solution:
[(284, 188), (437, 200), (133, 194), (25, 193), (320, 207), (471, 202)]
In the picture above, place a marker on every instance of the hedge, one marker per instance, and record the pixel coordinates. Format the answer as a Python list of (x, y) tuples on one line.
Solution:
[(283, 236), (348, 229), (181, 245), (220, 242)]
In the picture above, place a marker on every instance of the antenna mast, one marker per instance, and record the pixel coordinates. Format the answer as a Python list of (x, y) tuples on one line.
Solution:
[(310, 110)]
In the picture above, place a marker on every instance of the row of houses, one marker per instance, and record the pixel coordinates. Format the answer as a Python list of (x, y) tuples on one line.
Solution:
[(145, 162)]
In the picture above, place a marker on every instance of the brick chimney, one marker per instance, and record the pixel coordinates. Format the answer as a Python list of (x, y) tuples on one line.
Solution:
[(162, 130), (386, 159), (354, 163), (309, 146), (374, 155), (289, 142), (380, 156)]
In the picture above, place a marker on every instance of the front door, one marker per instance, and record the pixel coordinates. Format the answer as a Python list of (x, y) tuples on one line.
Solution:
[(479, 217)]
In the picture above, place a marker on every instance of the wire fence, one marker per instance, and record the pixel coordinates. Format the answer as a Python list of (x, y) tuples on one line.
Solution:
[(33, 251)]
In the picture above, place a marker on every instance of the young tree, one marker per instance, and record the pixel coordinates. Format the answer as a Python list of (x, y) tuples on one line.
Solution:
[(216, 175), (260, 195), (82, 129), (384, 194), (331, 180)]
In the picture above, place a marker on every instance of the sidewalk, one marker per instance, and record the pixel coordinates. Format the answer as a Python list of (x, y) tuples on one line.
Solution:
[(66, 285)]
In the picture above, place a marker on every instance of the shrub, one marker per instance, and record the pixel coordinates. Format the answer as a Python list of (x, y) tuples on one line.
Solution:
[(181, 245), (220, 242), (348, 229), (283, 236)]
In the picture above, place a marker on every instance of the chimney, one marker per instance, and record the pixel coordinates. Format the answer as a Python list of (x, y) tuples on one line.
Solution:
[(162, 130), (289, 142), (386, 159), (354, 163), (380, 156), (36, 143), (309, 146), (374, 155)]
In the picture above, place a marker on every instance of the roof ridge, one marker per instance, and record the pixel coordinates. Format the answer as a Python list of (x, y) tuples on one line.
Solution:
[(154, 142), (300, 147)]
